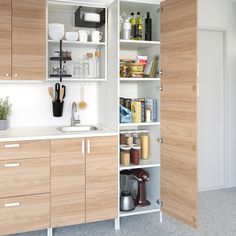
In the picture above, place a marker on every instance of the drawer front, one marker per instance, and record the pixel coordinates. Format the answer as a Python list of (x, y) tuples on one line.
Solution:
[(24, 149), (21, 214), (24, 176)]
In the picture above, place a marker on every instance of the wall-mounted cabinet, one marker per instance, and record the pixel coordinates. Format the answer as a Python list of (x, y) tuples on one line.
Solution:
[(22, 40), (89, 58)]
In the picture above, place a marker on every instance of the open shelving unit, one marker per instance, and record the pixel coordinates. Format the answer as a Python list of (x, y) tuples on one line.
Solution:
[(64, 13), (143, 88)]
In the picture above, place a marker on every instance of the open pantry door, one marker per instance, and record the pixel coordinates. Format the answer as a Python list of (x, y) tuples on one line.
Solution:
[(179, 109)]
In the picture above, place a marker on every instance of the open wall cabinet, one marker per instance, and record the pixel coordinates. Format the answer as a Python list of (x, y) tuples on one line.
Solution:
[(172, 163)]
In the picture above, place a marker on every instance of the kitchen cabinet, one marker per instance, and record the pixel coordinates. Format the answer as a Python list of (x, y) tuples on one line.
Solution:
[(22, 40), (83, 180), (101, 178), (5, 39), (28, 39), (67, 182)]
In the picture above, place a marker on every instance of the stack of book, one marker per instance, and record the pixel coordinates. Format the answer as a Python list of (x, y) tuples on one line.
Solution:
[(142, 109)]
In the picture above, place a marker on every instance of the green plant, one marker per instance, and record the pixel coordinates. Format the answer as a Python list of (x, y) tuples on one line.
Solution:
[(5, 108)]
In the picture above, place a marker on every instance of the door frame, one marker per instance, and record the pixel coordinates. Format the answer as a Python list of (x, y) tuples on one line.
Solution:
[(225, 104)]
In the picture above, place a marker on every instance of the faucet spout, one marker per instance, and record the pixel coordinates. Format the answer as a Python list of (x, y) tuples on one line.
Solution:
[(74, 109)]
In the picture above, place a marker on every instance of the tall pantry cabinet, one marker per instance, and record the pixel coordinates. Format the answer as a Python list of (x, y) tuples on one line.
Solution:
[(172, 164)]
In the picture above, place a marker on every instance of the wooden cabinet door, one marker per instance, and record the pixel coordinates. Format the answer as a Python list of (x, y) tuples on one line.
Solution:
[(5, 39), (67, 182), (179, 109), (28, 39), (101, 178)]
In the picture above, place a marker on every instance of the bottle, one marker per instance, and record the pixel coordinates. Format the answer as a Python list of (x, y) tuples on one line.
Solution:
[(139, 27), (148, 28), (91, 65), (133, 26), (126, 29), (97, 64)]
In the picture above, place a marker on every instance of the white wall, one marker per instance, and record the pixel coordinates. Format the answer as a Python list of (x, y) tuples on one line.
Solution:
[(32, 106), (214, 13)]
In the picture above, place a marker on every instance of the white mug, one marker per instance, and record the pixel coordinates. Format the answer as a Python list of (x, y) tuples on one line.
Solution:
[(96, 36), (83, 36)]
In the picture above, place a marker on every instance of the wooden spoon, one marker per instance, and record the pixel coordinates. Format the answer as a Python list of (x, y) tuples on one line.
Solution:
[(82, 103), (51, 92)]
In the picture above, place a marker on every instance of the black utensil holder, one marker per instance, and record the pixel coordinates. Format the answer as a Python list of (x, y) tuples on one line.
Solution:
[(57, 108)]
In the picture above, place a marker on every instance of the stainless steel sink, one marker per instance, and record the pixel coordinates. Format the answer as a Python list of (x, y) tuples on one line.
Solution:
[(79, 128)]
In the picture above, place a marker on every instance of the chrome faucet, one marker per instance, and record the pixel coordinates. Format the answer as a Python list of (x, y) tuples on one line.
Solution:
[(74, 109)]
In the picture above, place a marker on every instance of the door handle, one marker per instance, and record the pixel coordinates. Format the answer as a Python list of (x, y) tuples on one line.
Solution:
[(12, 165), (88, 146), (14, 204), (12, 145)]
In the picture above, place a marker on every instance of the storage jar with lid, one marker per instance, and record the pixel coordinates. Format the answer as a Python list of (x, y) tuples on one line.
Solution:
[(125, 155), (135, 154), (144, 145)]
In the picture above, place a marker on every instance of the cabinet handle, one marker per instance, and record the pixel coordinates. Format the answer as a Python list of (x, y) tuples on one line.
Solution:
[(7, 75), (12, 145), (16, 75), (14, 204), (12, 165), (89, 147), (83, 147)]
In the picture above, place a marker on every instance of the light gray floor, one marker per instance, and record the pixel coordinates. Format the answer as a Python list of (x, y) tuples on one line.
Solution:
[(217, 217)]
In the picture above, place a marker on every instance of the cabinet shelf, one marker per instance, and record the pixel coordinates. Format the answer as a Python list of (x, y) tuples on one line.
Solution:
[(71, 79), (154, 207), (79, 44), (137, 44), (143, 164), (139, 124), (58, 76), (60, 59)]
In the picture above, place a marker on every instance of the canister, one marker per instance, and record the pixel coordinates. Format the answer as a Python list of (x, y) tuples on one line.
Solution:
[(125, 155)]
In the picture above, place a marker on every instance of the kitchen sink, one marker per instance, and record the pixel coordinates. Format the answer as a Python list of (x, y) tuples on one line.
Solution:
[(79, 128)]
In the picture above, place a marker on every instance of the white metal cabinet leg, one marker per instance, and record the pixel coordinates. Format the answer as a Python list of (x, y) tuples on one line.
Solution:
[(117, 223), (50, 232), (160, 216)]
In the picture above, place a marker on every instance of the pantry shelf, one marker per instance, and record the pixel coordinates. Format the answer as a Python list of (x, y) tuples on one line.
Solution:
[(154, 207), (137, 44), (78, 80), (139, 124), (138, 79), (80, 44), (150, 163)]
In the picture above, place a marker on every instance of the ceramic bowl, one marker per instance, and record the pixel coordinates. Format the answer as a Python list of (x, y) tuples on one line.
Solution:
[(72, 36), (56, 31)]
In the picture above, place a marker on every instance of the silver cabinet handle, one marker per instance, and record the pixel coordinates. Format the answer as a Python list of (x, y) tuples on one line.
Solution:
[(83, 147), (12, 145), (88, 146), (14, 204), (12, 165)]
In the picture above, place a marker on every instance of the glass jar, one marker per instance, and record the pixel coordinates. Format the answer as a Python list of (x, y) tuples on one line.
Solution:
[(135, 154), (129, 139), (125, 155), (144, 146), (122, 138)]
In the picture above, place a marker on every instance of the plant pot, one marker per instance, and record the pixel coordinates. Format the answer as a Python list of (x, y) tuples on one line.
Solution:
[(3, 124)]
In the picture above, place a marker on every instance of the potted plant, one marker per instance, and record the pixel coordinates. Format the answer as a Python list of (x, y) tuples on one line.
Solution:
[(5, 111)]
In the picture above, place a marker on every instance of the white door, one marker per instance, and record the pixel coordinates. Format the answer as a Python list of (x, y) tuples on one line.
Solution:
[(211, 110)]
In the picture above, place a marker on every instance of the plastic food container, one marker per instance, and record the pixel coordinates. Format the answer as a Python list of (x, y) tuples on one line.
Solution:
[(125, 155), (135, 154)]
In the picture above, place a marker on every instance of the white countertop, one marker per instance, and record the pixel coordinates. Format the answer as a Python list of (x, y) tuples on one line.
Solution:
[(39, 133)]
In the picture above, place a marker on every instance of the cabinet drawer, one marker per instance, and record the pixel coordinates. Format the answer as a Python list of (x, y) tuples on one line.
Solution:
[(24, 176), (21, 214), (24, 149)]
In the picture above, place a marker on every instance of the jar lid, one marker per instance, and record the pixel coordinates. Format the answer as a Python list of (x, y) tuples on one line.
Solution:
[(125, 147), (136, 147)]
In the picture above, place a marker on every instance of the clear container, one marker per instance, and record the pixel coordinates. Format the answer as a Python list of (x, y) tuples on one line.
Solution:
[(79, 69), (135, 154), (85, 68), (125, 155), (129, 139), (144, 146)]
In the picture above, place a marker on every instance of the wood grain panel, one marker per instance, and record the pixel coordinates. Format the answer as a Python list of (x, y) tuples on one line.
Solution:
[(24, 149), (101, 179), (179, 109), (29, 213), (24, 177), (28, 39), (5, 39), (67, 182)]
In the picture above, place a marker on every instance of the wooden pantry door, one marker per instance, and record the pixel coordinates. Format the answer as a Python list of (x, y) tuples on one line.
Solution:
[(179, 109)]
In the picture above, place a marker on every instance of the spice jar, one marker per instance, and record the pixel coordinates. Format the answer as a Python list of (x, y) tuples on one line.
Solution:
[(144, 146), (122, 138), (125, 155), (135, 154), (128, 139)]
